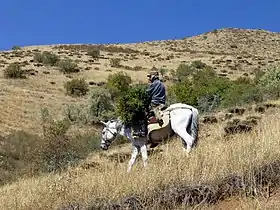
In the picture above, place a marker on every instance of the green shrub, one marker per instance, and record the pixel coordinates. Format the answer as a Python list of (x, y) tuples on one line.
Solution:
[(257, 75), (16, 48), (55, 151), (101, 105), (28, 155), (207, 82), (19, 156), (269, 82), (242, 91), (50, 58), (38, 57), (182, 92), (115, 62), (46, 58), (77, 114), (59, 150), (131, 106), (163, 71), (240, 94), (76, 87), (118, 83), (198, 64), (208, 103), (68, 66), (207, 91), (244, 80), (14, 71), (93, 52), (202, 89), (184, 71)]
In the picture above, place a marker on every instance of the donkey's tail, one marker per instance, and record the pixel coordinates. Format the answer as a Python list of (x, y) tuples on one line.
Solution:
[(194, 125)]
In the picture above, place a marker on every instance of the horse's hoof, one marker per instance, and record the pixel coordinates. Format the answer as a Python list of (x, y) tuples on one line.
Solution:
[(187, 151)]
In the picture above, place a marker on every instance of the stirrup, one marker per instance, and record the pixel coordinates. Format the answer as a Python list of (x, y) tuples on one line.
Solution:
[(160, 122)]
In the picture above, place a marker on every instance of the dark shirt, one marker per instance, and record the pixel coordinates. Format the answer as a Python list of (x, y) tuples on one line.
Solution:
[(156, 92)]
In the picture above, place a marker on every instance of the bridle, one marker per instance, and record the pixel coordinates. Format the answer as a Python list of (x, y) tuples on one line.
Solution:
[(106, 141)]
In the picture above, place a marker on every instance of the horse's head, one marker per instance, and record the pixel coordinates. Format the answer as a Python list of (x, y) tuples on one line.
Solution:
[(109, 133)]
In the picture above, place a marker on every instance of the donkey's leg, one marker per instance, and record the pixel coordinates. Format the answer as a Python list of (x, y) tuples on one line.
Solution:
[(141, 144), (144, 154), (135, 151), (180, 119)]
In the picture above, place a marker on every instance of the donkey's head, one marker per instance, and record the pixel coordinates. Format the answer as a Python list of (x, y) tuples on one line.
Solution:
[(109, 133)]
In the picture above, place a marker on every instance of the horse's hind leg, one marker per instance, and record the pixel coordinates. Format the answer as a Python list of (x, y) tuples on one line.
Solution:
[(180, 119), (135, 151), (141, 144)]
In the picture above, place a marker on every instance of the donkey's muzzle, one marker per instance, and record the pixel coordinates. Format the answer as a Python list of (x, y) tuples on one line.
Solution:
[(104, 146)]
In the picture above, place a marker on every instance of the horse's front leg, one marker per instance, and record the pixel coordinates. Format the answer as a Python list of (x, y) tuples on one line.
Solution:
[(144, 154), (134, 154)]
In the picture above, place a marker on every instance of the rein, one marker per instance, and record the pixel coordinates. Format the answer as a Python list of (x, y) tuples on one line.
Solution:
[(107, 142)]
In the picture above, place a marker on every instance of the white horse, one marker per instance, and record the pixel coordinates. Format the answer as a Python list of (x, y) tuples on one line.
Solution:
[(180, 119)]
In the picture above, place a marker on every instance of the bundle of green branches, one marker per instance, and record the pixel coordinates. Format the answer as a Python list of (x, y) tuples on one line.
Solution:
[(132, 104)]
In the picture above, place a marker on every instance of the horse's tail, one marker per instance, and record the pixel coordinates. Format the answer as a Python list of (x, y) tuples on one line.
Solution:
[(194, 125)]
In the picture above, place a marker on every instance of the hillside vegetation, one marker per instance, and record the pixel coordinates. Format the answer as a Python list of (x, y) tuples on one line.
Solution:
[(231, 52), (52, 98)]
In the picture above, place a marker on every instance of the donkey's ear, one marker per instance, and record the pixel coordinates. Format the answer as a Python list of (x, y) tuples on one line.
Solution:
[(103, 123)]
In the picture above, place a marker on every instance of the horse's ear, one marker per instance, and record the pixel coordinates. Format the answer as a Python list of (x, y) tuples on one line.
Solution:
[(99, 123), (103, 123)]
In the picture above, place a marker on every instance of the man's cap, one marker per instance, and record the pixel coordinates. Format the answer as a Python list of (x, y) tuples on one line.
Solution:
[(152, 73)]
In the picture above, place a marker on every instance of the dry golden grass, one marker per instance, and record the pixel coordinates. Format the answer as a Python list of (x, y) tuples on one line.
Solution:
[(213, 159)]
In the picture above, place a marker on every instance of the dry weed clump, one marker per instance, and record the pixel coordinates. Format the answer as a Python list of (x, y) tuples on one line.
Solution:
[(237, 125), (14, 71), (46, 58), (67, 66), (76, 87)]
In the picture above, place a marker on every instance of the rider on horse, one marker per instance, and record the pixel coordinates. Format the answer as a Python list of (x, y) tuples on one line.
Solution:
[(157, 94), (156, 100)]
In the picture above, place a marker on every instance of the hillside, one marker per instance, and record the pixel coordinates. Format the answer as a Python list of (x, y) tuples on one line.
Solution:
[(232, 53), (225, 162), (215, 173)]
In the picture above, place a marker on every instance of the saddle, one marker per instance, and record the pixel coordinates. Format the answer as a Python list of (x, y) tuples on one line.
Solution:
[(151, 115), (156, 131), (153, 124)]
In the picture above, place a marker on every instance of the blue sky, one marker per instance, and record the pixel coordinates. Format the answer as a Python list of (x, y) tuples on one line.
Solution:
[(33, 22)]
